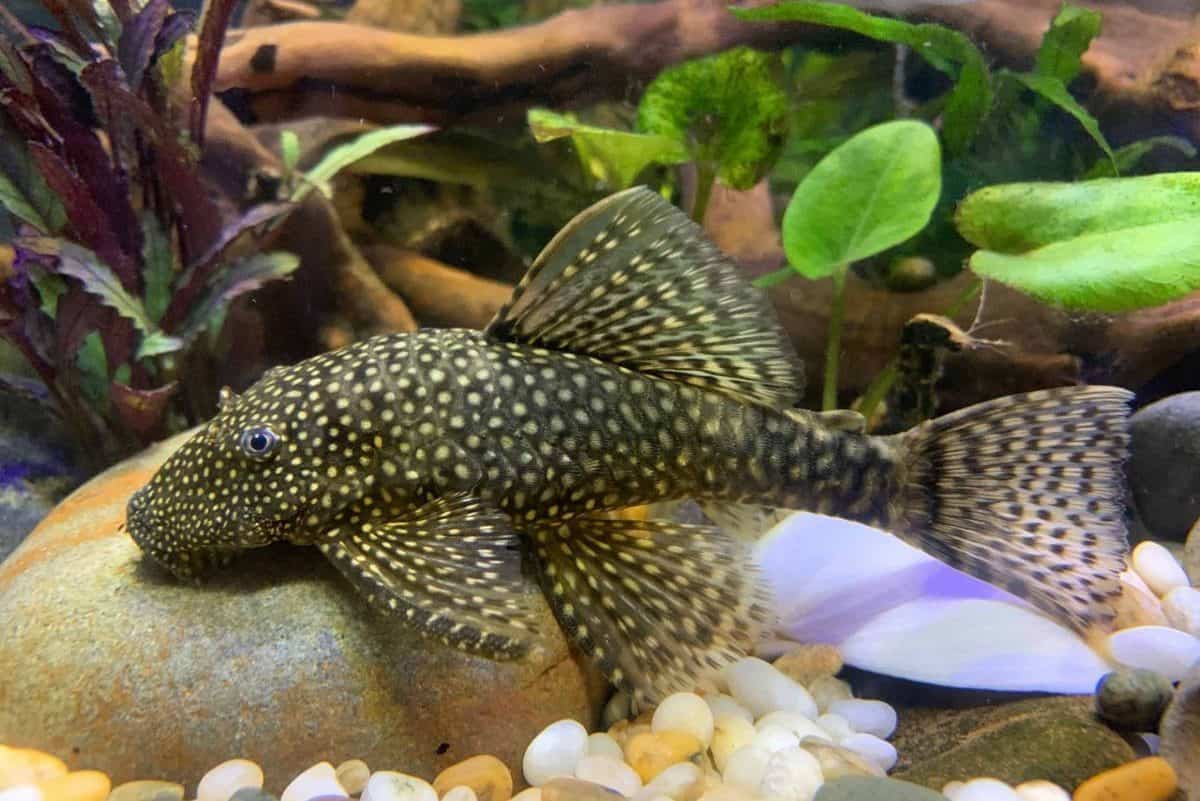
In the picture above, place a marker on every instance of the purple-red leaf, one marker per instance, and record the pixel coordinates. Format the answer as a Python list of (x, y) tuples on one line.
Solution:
[(241, 277), (78, 315), (217, 14), (137, 47), (177, 25), (142, 411)]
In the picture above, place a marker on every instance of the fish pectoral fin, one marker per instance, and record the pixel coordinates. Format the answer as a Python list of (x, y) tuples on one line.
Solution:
[(633, 281), (744, 521), (452, 569), (659, 606)]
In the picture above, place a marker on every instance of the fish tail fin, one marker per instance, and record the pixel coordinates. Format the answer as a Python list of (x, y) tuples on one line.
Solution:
[(1026, 493), (658, 606)]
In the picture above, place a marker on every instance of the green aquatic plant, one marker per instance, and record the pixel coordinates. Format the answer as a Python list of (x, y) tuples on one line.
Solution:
[(125, 261), (871, 193)]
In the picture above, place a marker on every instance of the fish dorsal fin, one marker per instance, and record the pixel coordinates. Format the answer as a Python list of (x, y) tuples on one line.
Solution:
[(633, 282)]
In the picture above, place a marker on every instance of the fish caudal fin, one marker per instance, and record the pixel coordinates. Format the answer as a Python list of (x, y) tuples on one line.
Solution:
[(1026, 493), (657, 605)]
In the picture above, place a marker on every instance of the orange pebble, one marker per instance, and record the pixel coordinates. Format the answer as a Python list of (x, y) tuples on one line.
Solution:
[(485, 774), (650, 753), (79, 785), (28, 766), (1149, 779)]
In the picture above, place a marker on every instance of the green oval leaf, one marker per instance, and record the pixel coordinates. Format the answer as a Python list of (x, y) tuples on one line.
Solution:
[(1134, 268), (874, 191), (1014, 218), (617, 156)]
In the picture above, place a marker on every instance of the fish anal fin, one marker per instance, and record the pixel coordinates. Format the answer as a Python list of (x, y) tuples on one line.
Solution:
[(632, 281), (659, 606), (451, 569)]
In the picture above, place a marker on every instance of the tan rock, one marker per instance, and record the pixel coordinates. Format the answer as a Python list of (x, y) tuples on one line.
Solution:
[(173, 670), (28, 766), (79, 785), (1137, 605), (576, 790), (808, 662), (650, 753), (487, 776), (147, 790)]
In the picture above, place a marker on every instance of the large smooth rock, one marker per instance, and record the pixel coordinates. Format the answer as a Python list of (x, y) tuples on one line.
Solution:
[(1164, 452), (1054, 738), (1180, 732), (109, 662)]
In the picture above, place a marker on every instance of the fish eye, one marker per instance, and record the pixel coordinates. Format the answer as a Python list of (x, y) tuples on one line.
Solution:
[(258, 442)]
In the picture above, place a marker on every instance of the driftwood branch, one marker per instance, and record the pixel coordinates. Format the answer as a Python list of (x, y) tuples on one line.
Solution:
[(1147, 59), (440, 295)]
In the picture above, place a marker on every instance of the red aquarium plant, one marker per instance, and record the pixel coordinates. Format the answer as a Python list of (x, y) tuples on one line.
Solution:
[(126, 257)]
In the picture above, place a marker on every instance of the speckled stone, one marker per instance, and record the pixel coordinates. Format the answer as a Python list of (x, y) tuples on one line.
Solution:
[(1053, 738), (1133, 700), (254, 650), (1164, 449), (864, 788)]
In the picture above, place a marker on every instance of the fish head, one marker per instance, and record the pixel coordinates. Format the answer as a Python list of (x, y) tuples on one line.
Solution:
[(236, 484)]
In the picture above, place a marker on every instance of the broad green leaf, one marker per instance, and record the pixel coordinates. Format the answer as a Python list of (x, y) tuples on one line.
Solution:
[(23, 191), (730, 110), (49, 288), (157, 344), (946, 49), (237, 279), (1065, 42), (1133, 268), (1056, 92), (289, 148), (170, 64), (1129, 156), (873, 192), (158, 259), (1015, 218), (93, 370), (616, 156), (343, 156), (13, 199)]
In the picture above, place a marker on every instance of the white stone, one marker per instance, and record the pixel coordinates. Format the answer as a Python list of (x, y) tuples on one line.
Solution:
[(797, 724), (1161, 571), (353, 775), (1182, 608), (21, 792), (528, 794), (608, 772), (828, 689), (460, 793), (870, 717), (835, 726), (227, 778), (875, 749), (1041, 790), (1162, 649), (762, 689), (952, 789), (604, 744), (745, 768), (684, 712), (726, 792), (730, 734), (555, 752), (677, 782), (792, 774), (723, 706), (389, 785), (320, 779), (772, 738), (986, 790)]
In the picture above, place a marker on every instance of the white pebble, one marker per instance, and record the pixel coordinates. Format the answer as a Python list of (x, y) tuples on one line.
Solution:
[(772, 738), (762, 689), (604, 744), (730, 734), (871, 717), (389, 785), (1041, 790), (21, 792), (1158, 568), (874, 749), (952, 789), (528, 794), (835, 726), (320, 779), (684, 712), (797, 724), (792, 774), (1152, 741), (986, 790), (460, 793), (745, 768), (1162, 649), (676, 782), (227, 778), (608, 772), (353, 775), (726, 792), (724, 706), (1182, 608), (555, 752), (828, 689)]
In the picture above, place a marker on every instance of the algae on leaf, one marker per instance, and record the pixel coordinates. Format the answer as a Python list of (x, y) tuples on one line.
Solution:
[(614, 155)]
